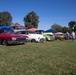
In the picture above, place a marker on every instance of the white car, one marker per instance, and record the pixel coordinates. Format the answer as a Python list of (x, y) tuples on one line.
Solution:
[(32, 36)]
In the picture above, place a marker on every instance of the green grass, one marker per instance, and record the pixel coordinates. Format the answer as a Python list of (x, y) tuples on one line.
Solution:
[(49, 58)]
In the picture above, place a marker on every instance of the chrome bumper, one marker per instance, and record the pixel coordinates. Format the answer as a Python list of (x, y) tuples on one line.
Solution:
[(17, 42)]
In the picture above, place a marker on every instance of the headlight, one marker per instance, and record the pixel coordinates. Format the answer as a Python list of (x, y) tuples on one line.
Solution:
[(13, 38)]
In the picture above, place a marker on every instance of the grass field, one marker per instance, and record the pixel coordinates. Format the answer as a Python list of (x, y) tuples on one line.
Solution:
[(48, 58)]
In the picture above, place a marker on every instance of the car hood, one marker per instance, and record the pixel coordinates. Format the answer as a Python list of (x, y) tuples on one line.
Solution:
[(47, 33), (13, 35), (36, 34)]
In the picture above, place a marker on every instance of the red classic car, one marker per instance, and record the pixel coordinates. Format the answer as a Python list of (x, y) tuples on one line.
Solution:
[(8, 37)]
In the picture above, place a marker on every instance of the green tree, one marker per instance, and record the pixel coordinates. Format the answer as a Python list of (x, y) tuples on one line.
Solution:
[(1, 18), (72, 25), (70, 31), (31, 20), (5, 18), (57, 27), (65, 29)]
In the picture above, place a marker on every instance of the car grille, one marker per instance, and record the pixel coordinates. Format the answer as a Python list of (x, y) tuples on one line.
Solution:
[(20, 39)]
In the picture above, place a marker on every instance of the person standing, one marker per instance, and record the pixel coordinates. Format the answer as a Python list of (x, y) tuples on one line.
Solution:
[(73, 35), (67, 35)]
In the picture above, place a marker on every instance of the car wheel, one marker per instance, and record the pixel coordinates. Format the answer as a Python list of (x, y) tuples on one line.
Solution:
[(5, 42), (33, 40), (62, 38), (46, 39), (51, 38), (42, 40)]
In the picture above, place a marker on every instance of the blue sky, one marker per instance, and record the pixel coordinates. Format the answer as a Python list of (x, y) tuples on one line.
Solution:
[(49, 11)]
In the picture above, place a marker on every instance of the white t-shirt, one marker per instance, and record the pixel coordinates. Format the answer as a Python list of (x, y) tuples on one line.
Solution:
[(73, 34)]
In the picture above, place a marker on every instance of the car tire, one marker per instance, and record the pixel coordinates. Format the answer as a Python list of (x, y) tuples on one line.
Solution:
[(62, 39), (5, 42), (46, 39), (51, 38), (33, 40), (42, 40)]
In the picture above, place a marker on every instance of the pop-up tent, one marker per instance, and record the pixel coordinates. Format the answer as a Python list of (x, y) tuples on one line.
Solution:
[(51, 30), (32, 29), (6, 27), (59, 33)]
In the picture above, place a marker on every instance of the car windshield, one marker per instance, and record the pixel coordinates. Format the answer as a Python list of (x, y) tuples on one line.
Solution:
[(60, 34), (65, 34), (39, 31), (25, 32), (22, 32), (6, 31)]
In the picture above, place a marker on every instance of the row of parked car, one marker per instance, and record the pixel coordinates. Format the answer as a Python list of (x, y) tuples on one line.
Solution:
[(41, 36), (8, 36)]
